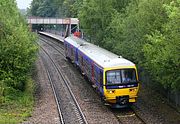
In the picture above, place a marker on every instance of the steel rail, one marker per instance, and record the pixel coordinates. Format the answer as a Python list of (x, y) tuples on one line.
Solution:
[(51, 38), (137, 115), (55, 96), (53, 41), (44, 40), (83, 119)]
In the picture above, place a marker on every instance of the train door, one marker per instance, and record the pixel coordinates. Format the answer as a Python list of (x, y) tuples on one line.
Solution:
[(74, 53), (101, 83), (82, 64), (92, 72), (96, 75), (76, 56), (66, 49), (71, 52)]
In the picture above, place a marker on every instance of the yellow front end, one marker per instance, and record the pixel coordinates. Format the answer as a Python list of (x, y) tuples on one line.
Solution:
[(112, 94), (128, 91)]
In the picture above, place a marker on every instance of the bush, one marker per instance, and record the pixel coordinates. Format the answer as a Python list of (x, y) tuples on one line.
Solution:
[(17, 47)]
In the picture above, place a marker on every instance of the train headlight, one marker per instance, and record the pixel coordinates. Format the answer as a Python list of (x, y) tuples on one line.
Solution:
[(110, 91), (133, 90)]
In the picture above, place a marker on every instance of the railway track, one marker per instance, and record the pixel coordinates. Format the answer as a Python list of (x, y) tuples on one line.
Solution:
[(129, 115), (75, 110), (135, 111), (56, 47), (53, 41), (56, 99)]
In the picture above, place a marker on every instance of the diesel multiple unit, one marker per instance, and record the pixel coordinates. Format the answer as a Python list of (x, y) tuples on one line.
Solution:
[(114, 77)]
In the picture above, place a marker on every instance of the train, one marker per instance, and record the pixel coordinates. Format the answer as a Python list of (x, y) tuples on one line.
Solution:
[(114, 77)]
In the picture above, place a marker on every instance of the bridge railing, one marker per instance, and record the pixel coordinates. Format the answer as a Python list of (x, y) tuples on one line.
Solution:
[(39, 20)]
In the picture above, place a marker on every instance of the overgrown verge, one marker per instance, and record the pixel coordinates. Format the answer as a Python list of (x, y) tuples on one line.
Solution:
[(17, 55), (15, 105)]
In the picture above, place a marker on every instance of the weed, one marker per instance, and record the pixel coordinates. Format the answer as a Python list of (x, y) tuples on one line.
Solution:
[(17, 105)]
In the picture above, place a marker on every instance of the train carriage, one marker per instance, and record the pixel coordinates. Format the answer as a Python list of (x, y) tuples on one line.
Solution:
[(71, 49), (115, 78)]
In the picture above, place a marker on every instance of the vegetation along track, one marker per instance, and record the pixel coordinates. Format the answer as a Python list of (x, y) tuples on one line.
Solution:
[(127, 115), (70, 109)]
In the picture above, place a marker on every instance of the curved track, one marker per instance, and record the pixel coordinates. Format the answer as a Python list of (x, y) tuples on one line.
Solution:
[(75, 110), (53, 41), (56, 47), (124, 116)]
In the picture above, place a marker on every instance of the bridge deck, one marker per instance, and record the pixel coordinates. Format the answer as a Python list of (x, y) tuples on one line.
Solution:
[(38, 20)]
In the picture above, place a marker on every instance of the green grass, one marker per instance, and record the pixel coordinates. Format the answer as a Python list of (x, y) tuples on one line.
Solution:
[(17, 105)]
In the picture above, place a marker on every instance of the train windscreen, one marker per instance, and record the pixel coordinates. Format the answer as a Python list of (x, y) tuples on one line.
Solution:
[(121, 76)]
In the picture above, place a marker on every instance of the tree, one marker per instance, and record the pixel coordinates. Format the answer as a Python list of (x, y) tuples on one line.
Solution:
[(162, 52), (95, 16), (44, 8), (17, 46), (131, 27)]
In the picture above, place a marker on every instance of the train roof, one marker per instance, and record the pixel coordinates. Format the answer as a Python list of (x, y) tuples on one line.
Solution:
[(102, 57), (75, 41)]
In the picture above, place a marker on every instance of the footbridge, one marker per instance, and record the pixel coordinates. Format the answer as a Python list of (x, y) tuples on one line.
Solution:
[(66, 21), (70, 23)]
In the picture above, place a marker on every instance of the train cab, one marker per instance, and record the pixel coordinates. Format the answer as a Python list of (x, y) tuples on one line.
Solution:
[(121, 85)]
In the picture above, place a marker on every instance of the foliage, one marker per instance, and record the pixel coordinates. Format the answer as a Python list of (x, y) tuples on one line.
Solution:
[(143, 31), (54, 8), (163, 50), (17, 54), (43, 8), (46, 8), (17, 47), (18, 105), (139, 20), (70, 8), (95, 16)]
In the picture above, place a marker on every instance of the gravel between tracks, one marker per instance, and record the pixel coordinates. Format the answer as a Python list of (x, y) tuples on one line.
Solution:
[(45, 110)]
